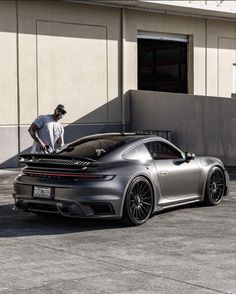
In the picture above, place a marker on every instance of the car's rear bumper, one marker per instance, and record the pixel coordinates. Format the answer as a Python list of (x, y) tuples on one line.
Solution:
[(102, 199), (91, 209)]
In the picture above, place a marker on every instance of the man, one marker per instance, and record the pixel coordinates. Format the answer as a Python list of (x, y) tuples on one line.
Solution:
[(47, 131)]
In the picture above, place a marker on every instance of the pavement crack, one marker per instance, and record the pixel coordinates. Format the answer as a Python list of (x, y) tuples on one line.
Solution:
[(124, 267)]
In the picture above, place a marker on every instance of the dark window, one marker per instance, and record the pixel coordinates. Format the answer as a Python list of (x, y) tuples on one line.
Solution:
[(162, 65), (161, 150), (93, 148)]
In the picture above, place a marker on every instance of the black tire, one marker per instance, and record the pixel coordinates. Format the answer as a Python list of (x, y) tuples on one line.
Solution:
[(215, 187), (139, 201)]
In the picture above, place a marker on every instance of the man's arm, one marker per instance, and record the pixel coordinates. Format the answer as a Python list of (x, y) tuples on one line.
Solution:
[(60, 142), (33, 130)]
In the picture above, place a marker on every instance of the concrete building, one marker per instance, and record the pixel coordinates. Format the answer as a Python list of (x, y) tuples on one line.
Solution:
[(88, 55)]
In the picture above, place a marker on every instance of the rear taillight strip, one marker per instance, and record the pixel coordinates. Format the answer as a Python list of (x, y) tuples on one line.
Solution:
[(78, 176)]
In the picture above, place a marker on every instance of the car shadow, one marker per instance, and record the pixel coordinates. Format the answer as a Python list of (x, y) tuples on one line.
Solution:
[(15, 223)]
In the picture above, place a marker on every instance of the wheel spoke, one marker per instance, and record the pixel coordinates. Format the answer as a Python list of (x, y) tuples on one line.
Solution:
[(146, 193), (143, 212), (146, 203), (135, 192), (147, 197), (132, 206), (142, 187), (145, 208), (139, 213), (136, 212)]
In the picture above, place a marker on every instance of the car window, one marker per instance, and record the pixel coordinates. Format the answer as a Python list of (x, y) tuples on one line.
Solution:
[(139, 152), (161, 150), (93, 149)]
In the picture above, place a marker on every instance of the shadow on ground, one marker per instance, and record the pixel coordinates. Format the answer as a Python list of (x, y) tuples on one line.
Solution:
[(19, 224)]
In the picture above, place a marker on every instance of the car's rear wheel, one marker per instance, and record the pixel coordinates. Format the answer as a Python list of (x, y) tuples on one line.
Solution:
[(138, 204), (215, 187)]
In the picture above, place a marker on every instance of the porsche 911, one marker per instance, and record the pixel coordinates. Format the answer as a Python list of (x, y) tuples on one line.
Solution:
[(117, 176)]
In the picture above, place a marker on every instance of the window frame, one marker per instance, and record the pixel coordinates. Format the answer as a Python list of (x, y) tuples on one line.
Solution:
[(170, 146), (134, 147)]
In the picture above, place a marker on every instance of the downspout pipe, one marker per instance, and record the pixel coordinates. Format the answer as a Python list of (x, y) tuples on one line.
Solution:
[(122, 70), (17, 76)]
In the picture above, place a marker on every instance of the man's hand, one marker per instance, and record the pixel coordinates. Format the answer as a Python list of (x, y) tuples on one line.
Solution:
[(42, 146)]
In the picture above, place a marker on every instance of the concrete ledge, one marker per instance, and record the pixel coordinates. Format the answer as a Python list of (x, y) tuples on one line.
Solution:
[(203, 125)]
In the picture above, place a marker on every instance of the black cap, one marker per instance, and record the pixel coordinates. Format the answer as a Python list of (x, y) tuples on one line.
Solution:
[(61, 108)]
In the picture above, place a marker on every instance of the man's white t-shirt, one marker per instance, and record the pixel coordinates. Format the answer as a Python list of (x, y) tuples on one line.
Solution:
[(49, 132)]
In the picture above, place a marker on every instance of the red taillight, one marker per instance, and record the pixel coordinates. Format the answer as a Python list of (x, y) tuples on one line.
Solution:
[(84, 177)]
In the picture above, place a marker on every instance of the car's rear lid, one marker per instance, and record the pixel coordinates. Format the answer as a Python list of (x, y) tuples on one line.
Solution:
[(56, 159), (56, 162)]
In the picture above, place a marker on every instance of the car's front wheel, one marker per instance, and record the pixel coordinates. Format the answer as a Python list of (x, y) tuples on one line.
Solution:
[(139, 201), (215, 187)]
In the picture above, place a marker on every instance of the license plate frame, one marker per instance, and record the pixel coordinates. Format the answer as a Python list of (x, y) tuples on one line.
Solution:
[(42, 192)]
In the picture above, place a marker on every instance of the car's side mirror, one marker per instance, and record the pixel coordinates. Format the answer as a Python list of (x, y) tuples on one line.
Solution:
[(189, 156)]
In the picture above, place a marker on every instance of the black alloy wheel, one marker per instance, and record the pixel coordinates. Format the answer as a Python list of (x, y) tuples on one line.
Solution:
[(138, 202), (215, 187)]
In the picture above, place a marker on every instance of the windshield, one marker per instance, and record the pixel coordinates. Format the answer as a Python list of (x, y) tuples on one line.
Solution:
[(93, 149)]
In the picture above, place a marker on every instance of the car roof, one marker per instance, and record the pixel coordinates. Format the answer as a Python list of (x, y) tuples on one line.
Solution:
[(126, 137)]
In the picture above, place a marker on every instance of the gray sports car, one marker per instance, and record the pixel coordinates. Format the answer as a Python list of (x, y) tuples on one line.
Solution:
[(119, 176)]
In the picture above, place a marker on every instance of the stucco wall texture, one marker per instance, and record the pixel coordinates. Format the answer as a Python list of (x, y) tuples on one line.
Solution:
[(199, 124), (60, 52)]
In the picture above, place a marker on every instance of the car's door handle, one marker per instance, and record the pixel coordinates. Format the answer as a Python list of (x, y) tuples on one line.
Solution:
[(164, 172)]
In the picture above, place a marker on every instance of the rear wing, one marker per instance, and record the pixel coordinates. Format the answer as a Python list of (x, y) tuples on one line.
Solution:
[(56, 159)]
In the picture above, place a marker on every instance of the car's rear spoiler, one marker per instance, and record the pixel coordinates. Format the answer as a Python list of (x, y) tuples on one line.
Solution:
[(57, 159)]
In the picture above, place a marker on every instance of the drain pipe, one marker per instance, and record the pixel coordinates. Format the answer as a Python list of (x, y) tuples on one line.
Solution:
[(122, 68), (17, 77)]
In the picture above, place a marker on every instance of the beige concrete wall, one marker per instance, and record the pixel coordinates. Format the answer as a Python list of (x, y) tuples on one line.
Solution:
[(69, 55), (8, 65), (221, 54), (72, 67), (227, 59), (8, 84)]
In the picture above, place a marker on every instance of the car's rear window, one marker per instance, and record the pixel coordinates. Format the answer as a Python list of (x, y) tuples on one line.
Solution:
[(94, 148)]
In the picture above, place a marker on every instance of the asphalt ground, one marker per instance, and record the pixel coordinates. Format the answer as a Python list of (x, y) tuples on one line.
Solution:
[(187, 250)]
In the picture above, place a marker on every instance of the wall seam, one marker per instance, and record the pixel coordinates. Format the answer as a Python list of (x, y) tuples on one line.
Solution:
[(73, 23), (218, 66), (17, 77), (37, 80), (107, 70), (206, 59), (123, 39)]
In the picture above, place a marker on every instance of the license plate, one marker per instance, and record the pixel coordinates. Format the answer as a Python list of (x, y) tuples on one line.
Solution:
[(42, 192)]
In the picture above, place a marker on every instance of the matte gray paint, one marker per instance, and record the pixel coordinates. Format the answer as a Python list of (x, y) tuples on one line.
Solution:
[(183, 183), (200, 124)]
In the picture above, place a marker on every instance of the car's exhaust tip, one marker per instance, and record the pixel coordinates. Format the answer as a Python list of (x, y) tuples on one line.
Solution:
[(20, 205), (65, 210)]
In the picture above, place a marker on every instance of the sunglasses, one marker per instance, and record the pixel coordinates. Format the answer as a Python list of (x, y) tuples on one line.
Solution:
[(62, 112)]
